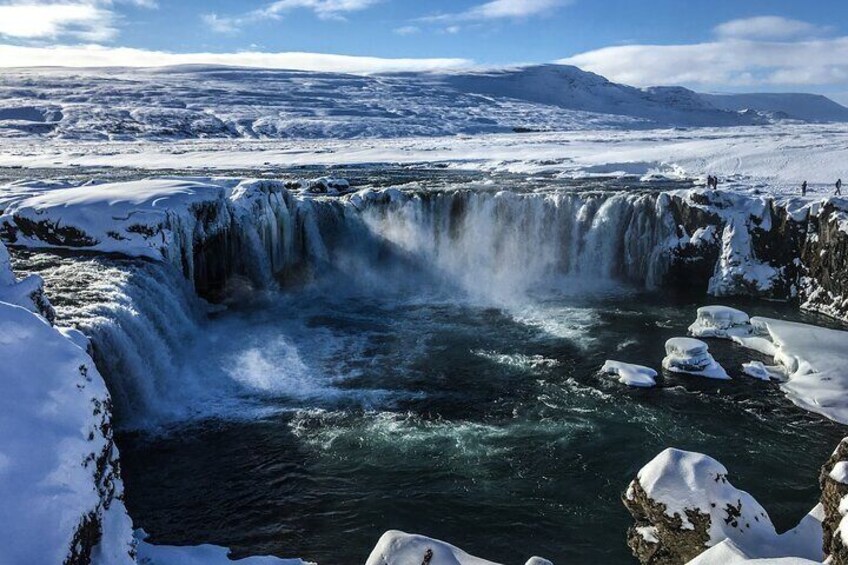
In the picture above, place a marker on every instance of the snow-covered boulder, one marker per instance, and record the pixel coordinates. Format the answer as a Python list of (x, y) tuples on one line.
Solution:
[(720, 321), (630, 374), (691, 356), (683, 503), (59, 481), (399, 548)]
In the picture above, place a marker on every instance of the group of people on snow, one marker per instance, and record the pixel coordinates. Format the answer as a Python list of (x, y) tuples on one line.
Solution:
[(712, 183), (837, 192)]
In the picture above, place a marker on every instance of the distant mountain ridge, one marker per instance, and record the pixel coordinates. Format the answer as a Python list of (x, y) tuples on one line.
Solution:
[(211, 102)]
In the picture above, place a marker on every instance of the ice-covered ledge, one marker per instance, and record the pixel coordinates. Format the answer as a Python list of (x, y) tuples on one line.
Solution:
[(209, 228)]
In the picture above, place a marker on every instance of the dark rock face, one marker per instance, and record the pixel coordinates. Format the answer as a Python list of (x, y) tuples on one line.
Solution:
[(807, 252), (672, 544), (832, 493), (824, 282)]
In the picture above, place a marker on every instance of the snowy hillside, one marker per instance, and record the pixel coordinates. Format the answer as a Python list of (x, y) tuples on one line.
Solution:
[(221, 102), (804, 107)]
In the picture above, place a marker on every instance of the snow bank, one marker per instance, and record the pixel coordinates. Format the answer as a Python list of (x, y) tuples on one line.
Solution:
[(151, 218), (799, 546), (691, 356), (815, 361), (150, 554), (812, 359), (631, 375), (59, 480), (399, 548)]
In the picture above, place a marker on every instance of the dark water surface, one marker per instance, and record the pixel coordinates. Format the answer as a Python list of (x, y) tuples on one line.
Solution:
[(486, 427)]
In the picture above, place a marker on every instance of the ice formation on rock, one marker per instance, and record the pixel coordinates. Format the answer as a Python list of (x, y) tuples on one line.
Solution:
[(631, 375), (691, 356), (720, 321)]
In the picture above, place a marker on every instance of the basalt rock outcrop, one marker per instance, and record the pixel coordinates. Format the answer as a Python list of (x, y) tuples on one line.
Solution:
[(684, 507), (833, 481), (682, 504)]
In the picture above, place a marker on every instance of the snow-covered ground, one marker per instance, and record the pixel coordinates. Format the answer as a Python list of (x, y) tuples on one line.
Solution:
[(196, 101), (774, 158)]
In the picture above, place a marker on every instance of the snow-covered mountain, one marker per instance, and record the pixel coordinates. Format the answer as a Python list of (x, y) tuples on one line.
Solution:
[(203, 101)]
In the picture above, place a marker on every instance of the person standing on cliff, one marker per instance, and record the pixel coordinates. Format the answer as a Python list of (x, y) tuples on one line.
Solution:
[(804, 188), (839, 187)]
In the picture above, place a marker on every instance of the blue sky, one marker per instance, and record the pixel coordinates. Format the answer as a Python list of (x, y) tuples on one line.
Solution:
[(711, 45)]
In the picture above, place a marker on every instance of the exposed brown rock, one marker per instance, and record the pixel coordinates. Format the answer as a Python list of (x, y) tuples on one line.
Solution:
[(675, 544)]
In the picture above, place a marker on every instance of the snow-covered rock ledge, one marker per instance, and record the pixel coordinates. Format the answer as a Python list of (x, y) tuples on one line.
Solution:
[(210, 229), (761, 245)]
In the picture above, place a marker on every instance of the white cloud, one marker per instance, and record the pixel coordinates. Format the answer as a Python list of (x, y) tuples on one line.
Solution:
[(100, 56), (407, 30), (324, 9), (740, 56), (221, 24), (87, 20), (501, 9), (769, 28)]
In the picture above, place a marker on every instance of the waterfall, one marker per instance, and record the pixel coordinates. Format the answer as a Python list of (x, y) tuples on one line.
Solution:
[(506, 244), (503, 247)]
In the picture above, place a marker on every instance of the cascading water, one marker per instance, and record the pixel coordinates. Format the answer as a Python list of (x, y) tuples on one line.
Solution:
[(504, 245)]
